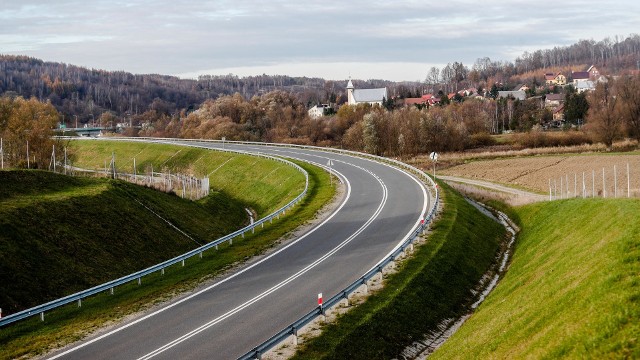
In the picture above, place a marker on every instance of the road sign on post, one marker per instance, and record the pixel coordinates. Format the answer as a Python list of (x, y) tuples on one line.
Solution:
[(320, 300), (330, 164), (434, 157)]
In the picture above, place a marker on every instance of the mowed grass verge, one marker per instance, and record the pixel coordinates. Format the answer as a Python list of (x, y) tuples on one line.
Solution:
[(261, 184), (431, 286), (32, 337), (572, 290)]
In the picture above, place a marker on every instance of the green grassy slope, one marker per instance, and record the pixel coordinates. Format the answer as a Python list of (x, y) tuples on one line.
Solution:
[(70, 323), (264, 185), (430, 287), (572, 291), (59, 234)]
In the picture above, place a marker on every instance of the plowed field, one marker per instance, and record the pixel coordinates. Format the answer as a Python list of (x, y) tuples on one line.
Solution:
[(540, 173)]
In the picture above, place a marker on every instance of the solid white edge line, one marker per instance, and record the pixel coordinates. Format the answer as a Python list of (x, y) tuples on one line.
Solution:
[(274, 288)]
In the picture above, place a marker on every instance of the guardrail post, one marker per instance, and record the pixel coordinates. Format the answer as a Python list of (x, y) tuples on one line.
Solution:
[(111, 290), (182, 262), (42, 316), (216, 246), (243, 234), (139, 281), (200, 254), (262, 225), (253, 230), (294, 332), (162, 271), (230, 241), (79, 302)]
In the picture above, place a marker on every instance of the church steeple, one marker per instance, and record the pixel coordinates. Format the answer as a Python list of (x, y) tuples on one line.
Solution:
[(350, 99)]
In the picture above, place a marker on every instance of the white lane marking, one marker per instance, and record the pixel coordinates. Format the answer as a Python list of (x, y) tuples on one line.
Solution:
[(425, 196), (348, 184), (272, 289)]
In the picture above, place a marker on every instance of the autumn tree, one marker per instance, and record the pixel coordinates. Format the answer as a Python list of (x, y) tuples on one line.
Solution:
[(629, 94), (26, 126), (603, 116)]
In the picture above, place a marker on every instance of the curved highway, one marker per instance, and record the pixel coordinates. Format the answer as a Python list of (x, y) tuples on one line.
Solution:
[(381, 206)]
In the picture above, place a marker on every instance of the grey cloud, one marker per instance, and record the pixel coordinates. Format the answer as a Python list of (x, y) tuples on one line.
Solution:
[(177, 37)]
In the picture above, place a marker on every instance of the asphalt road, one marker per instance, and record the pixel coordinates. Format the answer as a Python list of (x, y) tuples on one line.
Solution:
[(381, 206)]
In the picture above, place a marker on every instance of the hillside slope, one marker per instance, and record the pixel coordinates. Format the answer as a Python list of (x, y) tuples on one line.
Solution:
[(60, 234), (572, 289)]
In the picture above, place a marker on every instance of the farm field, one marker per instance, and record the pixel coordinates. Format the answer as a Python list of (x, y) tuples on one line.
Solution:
[(534, 173)]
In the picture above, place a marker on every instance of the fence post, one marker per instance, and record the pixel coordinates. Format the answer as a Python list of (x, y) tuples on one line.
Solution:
[(593, 183), (628, 182), (604, 190), (615, 182)]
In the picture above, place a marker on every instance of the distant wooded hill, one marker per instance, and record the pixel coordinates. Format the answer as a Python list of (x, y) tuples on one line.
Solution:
[(87, 93)]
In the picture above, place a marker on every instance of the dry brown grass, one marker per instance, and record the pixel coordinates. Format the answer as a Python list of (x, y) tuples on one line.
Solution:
[(535, 172)]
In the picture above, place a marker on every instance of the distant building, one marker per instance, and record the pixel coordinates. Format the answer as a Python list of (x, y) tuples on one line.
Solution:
[(593, 71), (317, 111), (584, 85), (365, 96), (555, 79), (520, 95), (521, 87), (553, 100), (558, 113), (577, 76)]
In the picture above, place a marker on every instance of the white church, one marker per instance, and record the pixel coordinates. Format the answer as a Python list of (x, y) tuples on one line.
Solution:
[(365, 96)]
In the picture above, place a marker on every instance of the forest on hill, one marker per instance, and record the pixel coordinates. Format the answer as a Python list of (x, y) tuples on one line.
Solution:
[(82, 94)]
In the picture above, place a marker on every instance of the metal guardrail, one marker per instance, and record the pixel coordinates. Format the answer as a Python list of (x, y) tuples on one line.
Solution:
[(292, 329), (109, 286)]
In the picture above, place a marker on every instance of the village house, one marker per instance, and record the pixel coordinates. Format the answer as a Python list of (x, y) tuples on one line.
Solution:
[(521, 87), (584, 85), (553, 100), (317, 111), (577, 76), (558, 113), (365, 96), (519, 95), (555, 79), (428, 100), (594, 73)]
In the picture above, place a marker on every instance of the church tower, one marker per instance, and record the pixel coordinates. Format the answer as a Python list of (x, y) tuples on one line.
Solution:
[(350, 99)]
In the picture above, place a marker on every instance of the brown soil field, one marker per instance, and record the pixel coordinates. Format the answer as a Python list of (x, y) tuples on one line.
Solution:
[(538, 173)]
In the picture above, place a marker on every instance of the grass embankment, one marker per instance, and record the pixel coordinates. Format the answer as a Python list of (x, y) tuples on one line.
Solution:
[(60, 235), (263, 185), (71, 323), (431, 286), (572, 290)]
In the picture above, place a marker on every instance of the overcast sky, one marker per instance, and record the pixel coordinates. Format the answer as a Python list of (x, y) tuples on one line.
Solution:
[(393, 40)]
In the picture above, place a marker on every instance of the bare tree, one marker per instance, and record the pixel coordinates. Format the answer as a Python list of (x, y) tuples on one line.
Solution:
[(603, 115), (629, 93)]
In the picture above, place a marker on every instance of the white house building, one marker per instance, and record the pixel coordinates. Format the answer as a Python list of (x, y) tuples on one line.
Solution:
[(365, 96), (317, 111)]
